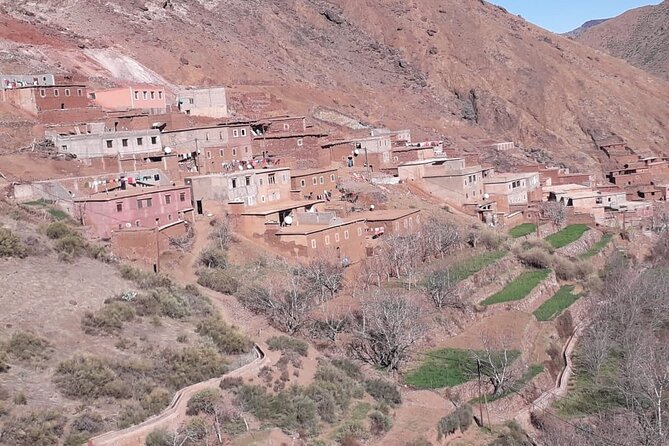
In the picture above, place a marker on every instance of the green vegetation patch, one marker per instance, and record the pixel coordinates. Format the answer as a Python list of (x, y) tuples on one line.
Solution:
[(474, 264), (523, 230), (597, 247), (519, 288), (552, 308), (568, 235), (441, 368), (528, 376)]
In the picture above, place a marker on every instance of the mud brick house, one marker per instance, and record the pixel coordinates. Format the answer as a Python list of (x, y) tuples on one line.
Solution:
[(140, 207), (149, 98), (630, 176), (251, 188), (299, 230), (413, 152), (285, 124), (209, 102), (99, 144), (314, 183), (375, 150), (8, 81), (36, 99), (297, 150), (391, 222), (555, 176), (513, 189), (396, 136)]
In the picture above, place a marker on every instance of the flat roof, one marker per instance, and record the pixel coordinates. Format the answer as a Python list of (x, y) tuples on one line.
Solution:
[(582, 194), (272, 208), (507, 177), (238, 172), (116, 194), (455, 172), (305, 172), (386, 214), (349, 141), (564, 187), (281, 135), (311, 229), (430, 161), (26, 87)]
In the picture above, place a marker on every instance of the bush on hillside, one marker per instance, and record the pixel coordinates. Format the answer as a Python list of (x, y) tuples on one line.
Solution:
[(567, 269), (213, 258), (288, 344), (144, 280), (536, 258), (204, 401), (221, 280), (227, 338), (349, 367), (84, 377), (461, 419), (380, 423), (109, 319), (181, 368), (384, 391), (27, 346), (159, 437), (10, 244), (39, 428), (59, 230)]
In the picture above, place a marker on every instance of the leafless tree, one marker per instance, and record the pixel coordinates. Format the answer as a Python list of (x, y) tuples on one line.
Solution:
[(221, 233), (386, 328), (440, 287), (555, 211), (331, 321), (325, 276), (439, 238), (497, 362), (402, 254)]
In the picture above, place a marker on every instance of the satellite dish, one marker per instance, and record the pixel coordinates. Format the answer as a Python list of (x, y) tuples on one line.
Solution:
[(486, 196), (167, 150), (356, 152), (128, 225), (248, 166), (241, 167), (372, 207), (288, 220)]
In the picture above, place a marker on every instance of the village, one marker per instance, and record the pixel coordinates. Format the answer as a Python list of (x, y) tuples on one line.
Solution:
[(156, 161)]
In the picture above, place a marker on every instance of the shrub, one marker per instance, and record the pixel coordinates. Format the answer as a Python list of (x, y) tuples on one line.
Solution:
[(20, 399), (109, 319), (460, 419), (220, 280), (227, 338), (42, 428), (383, 391), (231, 382), (27, 346), (420, 441), (131, 415), (535, 258), (347, 366), (159, 437), (565, 269), (539, 243), (70, 246), (213, 258), (83, 428), (143, 279), (188, 366), (351, 430), (84, 377), (380, 423), (3, 361), (203, 401), (288, 344), (59, 230), (156, 401), (10, 244)]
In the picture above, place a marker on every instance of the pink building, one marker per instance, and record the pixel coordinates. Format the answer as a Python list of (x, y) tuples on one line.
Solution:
[(145, 97), (140, 207)]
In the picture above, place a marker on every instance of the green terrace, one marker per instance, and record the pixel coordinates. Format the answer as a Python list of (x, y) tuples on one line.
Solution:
[(597, 247), (519, 288), (554, 306), (472, 265), (523, 230), (567, 235)]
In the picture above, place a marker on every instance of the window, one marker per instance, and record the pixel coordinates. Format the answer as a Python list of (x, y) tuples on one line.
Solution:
[(286, 127), (248, 180), (235, 133), (137, 223), (260, 181), (322, 180), (346, 235), (160, 95), (303, 183), (300, 142), (313, 243), (262, 198), (42, 92), (110, 144), (314, 180), (157, 221), (206, 136), (332, 177), (271, 178), (234, 152), (145, 95), (80, 92), (56, 92), (234, 183), (168, 199), (221, 153), (208, 154), (153, 95), (220, 135), (337, 237), (144, 203), (64, 148), (359, 232), (140, 141), (136, 95), (154, 140), (119, 207), (182, 196), (406, 223), (67, 92), (169, 217), (243, 132), (124, 142), (327, 240), (246, 149)]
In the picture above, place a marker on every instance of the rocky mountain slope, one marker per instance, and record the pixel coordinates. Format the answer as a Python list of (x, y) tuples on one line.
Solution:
[(640, 36), (583, 28), (462, 67)]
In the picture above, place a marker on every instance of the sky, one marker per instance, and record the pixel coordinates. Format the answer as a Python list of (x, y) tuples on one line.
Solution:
[(561, 16)]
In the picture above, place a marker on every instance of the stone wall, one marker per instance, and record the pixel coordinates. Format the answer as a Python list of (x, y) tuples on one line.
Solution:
[(581, 245)]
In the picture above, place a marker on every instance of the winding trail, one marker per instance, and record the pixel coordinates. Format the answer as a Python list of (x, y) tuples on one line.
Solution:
[(171, 417)]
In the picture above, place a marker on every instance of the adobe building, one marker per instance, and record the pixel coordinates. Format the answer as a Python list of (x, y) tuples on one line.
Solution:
[(413, 152), (209, 102), (36, 99), (120, 143), (396, 222), (253, 187), (513, 189), (373, 150), (9, 81), (555, 176), (149, 98), (297, 150), (285, 124), (140, 207), (396, 136), (314, 183)]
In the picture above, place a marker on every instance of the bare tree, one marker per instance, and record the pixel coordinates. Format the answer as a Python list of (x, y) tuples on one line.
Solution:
[(555, 211), (402, 254), (331, 321), (440, 287), (221, 233), (497, 362), (439, 238), (385, 330), (327, 277)]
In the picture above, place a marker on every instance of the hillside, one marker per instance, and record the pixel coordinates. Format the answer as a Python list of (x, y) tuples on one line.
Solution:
[(458, 68), (640, 36), (583, 28)]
